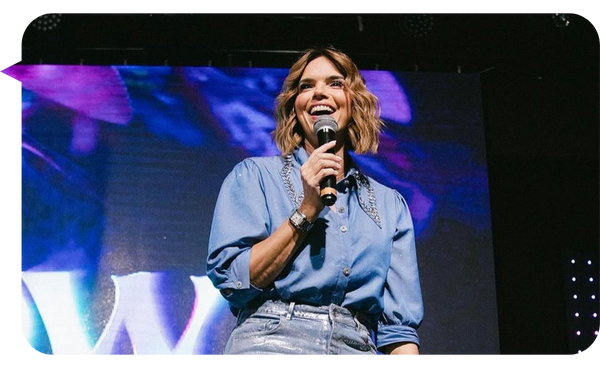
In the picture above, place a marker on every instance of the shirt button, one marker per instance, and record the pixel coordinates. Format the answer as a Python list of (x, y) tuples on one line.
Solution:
[(346, 271), (343, 229), (238, 284), (342, 209)]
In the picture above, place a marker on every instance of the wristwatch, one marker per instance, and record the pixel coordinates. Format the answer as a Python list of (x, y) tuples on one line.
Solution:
[(299, 221)]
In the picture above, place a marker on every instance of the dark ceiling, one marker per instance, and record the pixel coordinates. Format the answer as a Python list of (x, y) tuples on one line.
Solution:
[(424, 42)]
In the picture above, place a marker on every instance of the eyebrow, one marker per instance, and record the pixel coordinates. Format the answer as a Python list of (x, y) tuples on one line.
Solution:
[(330, 78)]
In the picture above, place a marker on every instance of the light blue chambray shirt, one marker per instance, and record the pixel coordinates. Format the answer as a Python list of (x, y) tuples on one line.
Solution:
[(359, 257)]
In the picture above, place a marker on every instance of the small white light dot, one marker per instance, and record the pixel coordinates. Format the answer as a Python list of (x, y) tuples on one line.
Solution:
[(595, 315), (589, 262), (576, 314), (575, 296), (574, 279), (593, 297), (578, 333), (573, 261), (596, 333), (591, 279)]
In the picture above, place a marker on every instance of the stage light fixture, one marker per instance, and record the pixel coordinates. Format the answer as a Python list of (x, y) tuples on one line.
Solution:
[(46, 22), (416, 25), (561, 20)]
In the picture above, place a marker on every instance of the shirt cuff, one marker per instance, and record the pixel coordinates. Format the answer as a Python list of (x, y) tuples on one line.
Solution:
[(238, 290), (393, 334)]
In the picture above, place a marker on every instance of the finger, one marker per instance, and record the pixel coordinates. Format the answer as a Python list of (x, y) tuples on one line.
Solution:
[(324, 173), (321, 154), (325, 147), (319, 170), (324, 163)]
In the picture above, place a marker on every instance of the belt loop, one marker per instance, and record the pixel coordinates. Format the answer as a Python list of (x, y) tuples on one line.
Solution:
[(288, 315)]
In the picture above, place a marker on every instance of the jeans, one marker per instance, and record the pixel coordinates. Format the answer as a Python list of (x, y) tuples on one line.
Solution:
[(277, 327)]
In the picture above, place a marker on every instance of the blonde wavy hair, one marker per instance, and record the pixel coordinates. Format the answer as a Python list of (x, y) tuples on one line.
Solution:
[(365, 123)]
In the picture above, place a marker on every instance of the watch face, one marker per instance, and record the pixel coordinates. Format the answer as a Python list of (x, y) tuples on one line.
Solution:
[(299, 221), (297, 218)]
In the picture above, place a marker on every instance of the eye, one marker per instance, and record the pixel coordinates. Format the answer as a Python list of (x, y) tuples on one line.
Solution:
[(338, 83), (304, 86)]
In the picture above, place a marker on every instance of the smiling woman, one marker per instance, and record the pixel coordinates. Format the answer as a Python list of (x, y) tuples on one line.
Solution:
[(267, 249), (341, 75), (321, 92)]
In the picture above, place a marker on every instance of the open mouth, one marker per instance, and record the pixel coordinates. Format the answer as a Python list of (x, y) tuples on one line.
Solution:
[(319, 110)]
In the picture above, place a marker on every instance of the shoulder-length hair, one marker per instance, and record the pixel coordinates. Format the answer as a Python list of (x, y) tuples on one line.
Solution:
[(365, 123)]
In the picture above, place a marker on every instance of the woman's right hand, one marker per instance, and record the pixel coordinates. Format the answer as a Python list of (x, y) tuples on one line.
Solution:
[(319, 165)]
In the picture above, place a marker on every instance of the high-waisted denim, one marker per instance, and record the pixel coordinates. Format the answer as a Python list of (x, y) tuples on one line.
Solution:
[(277, 327)]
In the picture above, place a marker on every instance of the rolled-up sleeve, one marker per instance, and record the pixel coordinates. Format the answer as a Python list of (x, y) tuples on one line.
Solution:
[(240, 220), (403, 303)]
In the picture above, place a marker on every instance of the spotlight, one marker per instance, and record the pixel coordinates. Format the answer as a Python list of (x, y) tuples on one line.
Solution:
[(561, 20), (46, 22), (416, 25)]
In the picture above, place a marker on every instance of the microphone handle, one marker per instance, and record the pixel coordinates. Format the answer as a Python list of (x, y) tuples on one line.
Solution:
[(328, 191)]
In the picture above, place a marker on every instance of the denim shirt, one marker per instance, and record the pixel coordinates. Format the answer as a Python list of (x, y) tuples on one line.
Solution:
[(361, 257)]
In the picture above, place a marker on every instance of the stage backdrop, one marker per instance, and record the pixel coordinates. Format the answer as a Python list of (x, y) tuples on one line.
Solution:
[(121, 167)]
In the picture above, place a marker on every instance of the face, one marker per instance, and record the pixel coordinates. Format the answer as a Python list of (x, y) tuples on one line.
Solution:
[(321, 92)]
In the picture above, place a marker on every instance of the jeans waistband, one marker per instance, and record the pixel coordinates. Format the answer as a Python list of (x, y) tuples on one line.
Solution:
[(293, 310)]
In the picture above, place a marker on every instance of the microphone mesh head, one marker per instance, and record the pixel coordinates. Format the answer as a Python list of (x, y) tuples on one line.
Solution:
[(325, 122)]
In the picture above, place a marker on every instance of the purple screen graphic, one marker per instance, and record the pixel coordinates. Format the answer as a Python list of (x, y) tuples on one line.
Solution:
[(121, 167)]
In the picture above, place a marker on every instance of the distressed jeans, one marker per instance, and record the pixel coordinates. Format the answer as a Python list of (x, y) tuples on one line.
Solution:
[(277, 327)]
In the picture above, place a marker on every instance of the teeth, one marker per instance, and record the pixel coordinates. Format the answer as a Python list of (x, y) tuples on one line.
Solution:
[(321, 108)]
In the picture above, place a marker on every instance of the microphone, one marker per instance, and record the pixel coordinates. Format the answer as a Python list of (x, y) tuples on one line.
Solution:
[(325, 128)]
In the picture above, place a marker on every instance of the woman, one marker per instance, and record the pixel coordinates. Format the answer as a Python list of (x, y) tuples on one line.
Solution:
[(303, 277)]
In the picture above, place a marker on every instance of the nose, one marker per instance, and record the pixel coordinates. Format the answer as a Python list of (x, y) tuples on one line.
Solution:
[(319, 91)]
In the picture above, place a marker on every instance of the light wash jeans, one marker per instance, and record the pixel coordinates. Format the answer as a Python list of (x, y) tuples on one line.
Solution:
[(277, 327)]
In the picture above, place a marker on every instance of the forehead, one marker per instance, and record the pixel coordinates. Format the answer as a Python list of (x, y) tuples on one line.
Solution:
[(320, 67)]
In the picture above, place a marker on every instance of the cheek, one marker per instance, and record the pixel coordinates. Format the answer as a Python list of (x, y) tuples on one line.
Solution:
[(347, 105), (300, 107), (300, 103)]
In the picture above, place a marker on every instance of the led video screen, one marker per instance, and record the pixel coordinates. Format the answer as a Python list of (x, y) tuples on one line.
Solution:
[(121, 168)]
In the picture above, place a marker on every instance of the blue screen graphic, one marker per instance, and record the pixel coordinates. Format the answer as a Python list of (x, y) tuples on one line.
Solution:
[(121, 167)]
